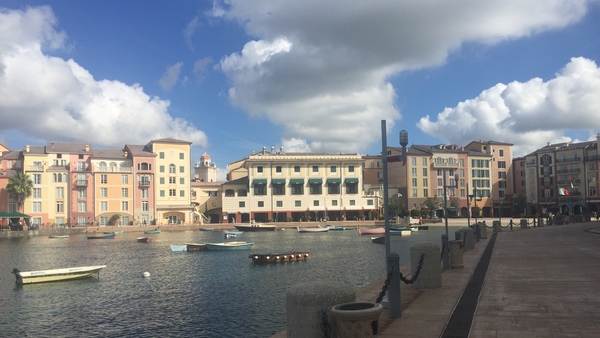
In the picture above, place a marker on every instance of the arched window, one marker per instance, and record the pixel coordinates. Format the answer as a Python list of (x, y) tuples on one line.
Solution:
[(171, 168)]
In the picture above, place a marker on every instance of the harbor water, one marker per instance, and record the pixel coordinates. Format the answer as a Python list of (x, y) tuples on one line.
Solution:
[(199, 294)]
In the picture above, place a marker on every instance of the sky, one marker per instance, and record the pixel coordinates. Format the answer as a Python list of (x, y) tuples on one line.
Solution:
[(236, 76)]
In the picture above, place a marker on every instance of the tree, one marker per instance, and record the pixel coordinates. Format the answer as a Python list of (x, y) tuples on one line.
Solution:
[(19, 188)]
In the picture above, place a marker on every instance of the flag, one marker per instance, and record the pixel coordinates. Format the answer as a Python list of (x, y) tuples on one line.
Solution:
[(563, 192), (572, 185)]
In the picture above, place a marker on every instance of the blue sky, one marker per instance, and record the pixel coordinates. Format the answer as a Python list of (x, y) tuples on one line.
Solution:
[(238, 75)]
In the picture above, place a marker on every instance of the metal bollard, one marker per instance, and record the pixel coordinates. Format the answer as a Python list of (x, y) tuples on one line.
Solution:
[(394, 301), (496, 225), (523, 223), (468, 238), (483, 230)]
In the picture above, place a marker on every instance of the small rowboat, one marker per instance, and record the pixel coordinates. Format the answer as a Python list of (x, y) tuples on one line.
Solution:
[(55, 275), (178, 248), (316, 229), (196, 247), (207, 229), (371, 231), (59, 236), (101, 236), (155, 231), (237, 233), (143, 239), (255, 227), (228, 246), (378, 240)]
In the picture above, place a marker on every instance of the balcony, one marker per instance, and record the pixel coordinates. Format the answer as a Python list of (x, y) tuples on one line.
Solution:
[(123, 170), (568, 159), (144, 183), (37, 168), (81, 183)]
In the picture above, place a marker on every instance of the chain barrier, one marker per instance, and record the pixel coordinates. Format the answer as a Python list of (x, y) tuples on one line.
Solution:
[(384, 288), (325, 328), (416, 275), (442, 252)]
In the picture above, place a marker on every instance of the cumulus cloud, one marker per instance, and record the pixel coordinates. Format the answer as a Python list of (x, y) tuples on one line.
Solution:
[(526, 114), (322, 69), (64, 99)]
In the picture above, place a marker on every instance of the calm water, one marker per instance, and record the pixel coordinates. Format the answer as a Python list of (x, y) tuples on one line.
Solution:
[(200, 294)]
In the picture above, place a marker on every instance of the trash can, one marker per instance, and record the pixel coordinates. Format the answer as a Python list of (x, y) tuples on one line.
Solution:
[(355, 320), (456, 254)]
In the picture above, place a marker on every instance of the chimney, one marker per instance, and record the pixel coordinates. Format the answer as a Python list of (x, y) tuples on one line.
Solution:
[(87, 147), (27, 148)]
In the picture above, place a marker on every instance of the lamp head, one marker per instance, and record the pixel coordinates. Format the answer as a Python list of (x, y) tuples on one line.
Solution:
[(403, 138)]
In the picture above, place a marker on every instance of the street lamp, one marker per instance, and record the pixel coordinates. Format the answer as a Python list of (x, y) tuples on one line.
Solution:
[(446, 249)]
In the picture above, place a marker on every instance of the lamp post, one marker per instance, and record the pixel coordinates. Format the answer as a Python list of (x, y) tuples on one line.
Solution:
[(446, 249), (394, 291)]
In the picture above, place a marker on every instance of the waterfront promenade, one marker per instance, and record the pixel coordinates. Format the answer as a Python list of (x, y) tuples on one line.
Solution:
[(537, 282)]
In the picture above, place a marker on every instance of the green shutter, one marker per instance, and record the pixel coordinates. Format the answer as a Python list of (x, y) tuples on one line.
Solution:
[(315, 181), (351, 180), (259, 181), (278, 181), (297, 181), (333, 181)]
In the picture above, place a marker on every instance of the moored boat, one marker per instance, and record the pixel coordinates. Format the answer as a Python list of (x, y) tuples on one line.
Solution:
[(143, 239), (312, 229), (228, 246), (178, 248), (279, 257), (237, 233), (338, 228), (230, 235), (196, 247), (101, 236), (378, 239), (255, 227), (155, 231), (371, 231), (55, 275), (206, 229), (400, 232), (59, 236)]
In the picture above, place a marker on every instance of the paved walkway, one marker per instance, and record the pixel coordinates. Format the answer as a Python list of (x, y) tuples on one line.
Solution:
[(540, 282)]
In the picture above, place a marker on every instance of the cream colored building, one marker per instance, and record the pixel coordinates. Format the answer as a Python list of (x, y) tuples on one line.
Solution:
[(297, 186)]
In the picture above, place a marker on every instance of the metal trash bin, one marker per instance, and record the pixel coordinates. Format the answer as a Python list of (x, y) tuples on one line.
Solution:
[(456, 254), (355, 320)]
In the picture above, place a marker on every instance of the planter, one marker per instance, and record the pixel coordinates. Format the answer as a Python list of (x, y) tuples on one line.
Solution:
[(356, 319)]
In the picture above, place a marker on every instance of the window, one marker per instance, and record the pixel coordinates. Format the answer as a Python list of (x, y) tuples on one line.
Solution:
[(296, 168), (124, 205), (161, 180), (242, 204), (315, 203), (502, 164), (334, 203), (350, 168), (502, 174), (279, 204), (278, 169), (278, 189), (144, 166), (370, 202), (181, 193), (424, 161), (297, 203), (172, 169), (103, 192), (161, 193), (501, 193), (103, 220), (414, 192), (60, 193), (259, 169), (425, 192), (145, 206), (37, 178), (81, 206), (424, 171), (501, 152), (60, 221), (260, 189), (351, 188), (124, 179), (103, 179), (440, 182), (81, 192), (333, 169), (297, 189), (413, 171), (161, 154), (315, 188), (37, 207), (413, 161), (181, 180), (103, 206), (161, 168), (502, 184), (172, 180), (414, 181), (181, 156), (315, 168), (261, 204), (172, 193), (352, 202), (333, 188), (145, 193), (124, 192), (181, 169), (36, 193)]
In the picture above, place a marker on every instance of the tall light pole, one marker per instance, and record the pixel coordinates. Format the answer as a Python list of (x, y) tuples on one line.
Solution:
[(446, 252)]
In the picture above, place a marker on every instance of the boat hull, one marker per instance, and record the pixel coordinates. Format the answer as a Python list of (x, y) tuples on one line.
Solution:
[(56, 275), (196, 247), (142, 239), (101, 236), (148, 232), (228, 246), (255, 227), (371, 231), (300, 229), (178, 248)]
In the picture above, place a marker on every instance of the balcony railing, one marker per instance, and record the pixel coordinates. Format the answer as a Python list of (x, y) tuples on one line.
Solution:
[(35, 168), (81, 183), (144, 183), (99, 169)]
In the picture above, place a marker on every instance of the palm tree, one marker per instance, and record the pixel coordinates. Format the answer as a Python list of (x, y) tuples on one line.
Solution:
[(19, 187)]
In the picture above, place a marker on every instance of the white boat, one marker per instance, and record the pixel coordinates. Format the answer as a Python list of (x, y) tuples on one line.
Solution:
[(255, 227), (55, 275), (59, 236), (312, 229), (227, 246), (178, 248), (230, 235)]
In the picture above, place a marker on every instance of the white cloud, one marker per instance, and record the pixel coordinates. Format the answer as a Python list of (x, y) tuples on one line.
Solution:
[(526, 114), (64, 99), (170, 76), (321, 69), (200, 66), (190, 30)]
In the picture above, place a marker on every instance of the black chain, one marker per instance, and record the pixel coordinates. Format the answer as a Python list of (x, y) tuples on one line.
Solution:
[(442, 252), (325, 328), (384, 288), (416, 275)]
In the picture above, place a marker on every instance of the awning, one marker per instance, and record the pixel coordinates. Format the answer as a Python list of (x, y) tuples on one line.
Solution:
[(334, 181), (259, 181), (278, 181), (297, 181), (351, 180), (4, 214), (315, 181)]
